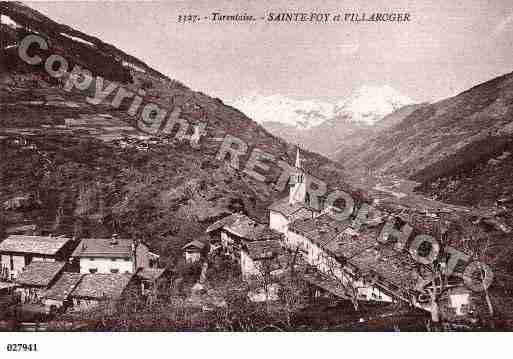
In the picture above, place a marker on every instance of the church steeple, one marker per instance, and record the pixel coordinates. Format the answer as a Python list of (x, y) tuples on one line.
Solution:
[(298, 160), (297, 191)]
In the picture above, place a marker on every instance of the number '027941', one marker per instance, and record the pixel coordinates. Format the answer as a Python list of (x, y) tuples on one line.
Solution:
[(21, 347)]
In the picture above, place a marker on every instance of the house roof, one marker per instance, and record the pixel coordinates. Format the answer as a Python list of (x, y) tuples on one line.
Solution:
[(195, 244), (150, 274), (291, 211), (99, 247), (394, 267), (33, 244), (363, 251), (221, 223), (265, 233), (62, 289), (330, 285), (243, 226), (40, 274), (102, 286), (154, 255), (5, 285), (303, 212), (240, 225), (264, 249), (321, 230), (21, 228)]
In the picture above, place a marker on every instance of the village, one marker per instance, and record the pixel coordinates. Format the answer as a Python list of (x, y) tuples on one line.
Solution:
[(317, 179), (334, 261)]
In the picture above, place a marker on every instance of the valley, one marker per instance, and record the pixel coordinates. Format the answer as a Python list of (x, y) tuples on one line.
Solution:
[(331, 129), (76, 169)]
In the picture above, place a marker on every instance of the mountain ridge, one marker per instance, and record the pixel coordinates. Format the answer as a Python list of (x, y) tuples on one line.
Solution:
[(446, 126), (305, 121), (88, 165)]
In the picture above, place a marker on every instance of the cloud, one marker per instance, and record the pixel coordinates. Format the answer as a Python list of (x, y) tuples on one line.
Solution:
[(503, 25)]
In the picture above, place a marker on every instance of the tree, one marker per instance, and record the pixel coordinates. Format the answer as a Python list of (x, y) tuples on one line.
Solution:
[(479, 244), (433, 270), (347, 281), (264, 279), (292, 289), (434, 274)]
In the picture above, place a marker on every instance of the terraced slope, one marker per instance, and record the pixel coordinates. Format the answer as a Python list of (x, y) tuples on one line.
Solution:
[(87, 169)]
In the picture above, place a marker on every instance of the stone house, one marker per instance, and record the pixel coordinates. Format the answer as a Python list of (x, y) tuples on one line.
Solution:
[(36, 278), (18, 251), (112, 256), (21, 202), (195, 250), (152, 279), (459, 302), (229, 233), (355, 260), (95, 291), (261, 258), (282, 213), (58, 295)]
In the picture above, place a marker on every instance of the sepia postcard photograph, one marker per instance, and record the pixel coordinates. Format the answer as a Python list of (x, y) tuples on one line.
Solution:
[(313, 173)]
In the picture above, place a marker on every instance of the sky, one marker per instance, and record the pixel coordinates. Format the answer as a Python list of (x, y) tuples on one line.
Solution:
[(446, 48)]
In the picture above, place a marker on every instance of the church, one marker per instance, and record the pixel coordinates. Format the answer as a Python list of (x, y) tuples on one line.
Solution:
[(296, 205), (340, 256), (348, 263)]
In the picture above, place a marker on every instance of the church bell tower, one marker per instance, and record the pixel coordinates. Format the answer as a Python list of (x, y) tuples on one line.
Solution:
[(297, 190)]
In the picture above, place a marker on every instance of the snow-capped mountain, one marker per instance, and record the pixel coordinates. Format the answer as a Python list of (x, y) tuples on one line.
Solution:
[(370, 104), (300, 114), (324, 127), (366, 106)]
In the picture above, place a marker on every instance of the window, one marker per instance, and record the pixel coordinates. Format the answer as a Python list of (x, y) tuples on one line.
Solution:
[(465, 308), (114, 270), (127, 259), (451, 310), (12, 263), (91, 259), (113, 259), (93, 270)]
